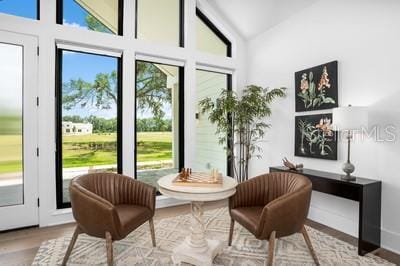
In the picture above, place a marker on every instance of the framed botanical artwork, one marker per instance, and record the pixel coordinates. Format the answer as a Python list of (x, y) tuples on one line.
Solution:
[(317, 87), (315, 137)]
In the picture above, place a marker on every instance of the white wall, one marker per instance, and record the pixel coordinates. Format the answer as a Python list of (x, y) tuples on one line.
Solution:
[(364, 36)]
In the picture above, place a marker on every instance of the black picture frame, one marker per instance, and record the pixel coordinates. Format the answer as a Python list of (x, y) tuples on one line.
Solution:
[(315, 137), (316, 88)]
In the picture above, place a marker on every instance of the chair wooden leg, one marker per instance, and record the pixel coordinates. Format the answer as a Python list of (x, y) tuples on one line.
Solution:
[(109, 247), (271, 248), (153, 233), (231, 232), (71, 245), (309, 245)]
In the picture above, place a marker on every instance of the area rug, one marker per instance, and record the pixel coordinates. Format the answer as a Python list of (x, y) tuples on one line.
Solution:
[(136, 249)]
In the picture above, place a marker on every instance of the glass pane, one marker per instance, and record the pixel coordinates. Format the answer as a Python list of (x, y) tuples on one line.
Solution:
[(158, 21), (97, 15), (207, 41), (89, 115), (209, 153), (21, 8), (11, 154), (157, 121)]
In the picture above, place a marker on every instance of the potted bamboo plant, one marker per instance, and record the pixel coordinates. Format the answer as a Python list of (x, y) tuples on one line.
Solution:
[(240, 122)]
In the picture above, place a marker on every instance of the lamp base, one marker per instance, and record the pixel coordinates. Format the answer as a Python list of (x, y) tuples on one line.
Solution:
[(348, 178), (348, 168)]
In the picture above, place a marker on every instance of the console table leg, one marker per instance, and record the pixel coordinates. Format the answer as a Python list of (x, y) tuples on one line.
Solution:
[(369, 230)]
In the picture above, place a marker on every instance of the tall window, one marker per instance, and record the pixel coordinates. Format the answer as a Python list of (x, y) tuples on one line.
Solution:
[(21, 8), (96, 15), (209, 153), (209, 39), (88, 98), (160, 21), (159, 121), (11, 148)]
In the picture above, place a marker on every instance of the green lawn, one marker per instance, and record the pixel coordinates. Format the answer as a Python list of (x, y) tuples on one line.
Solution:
[(10, 153), (152, 146), (95, 149)]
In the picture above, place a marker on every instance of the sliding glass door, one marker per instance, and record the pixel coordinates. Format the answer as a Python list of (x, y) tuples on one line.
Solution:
[(209, 153), (18, 131), (159, 121)]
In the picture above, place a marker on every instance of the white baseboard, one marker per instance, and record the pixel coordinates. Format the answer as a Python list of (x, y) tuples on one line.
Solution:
[(335, 221), (57, 217), (389, 240)]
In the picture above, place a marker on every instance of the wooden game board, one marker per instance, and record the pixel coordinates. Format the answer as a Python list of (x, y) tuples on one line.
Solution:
[(198, 179)]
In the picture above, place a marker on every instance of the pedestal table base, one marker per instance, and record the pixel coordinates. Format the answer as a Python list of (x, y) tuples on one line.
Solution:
[(196, 249), (185, 253)]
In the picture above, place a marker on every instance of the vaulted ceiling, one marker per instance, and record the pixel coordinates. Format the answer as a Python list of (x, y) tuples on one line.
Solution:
[(252, 17)]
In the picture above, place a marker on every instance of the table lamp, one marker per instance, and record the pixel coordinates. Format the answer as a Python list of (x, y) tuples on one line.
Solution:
[(349, 119)]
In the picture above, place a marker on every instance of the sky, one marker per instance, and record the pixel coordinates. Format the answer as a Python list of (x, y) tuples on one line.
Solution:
[(73, 15), (23, 8), (75, 65)]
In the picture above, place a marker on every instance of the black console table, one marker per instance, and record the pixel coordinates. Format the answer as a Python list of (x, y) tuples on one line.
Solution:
[(366, 191)]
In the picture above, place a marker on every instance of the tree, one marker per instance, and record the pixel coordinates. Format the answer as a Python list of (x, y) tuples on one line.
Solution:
[(246, 126), (102, 93), (73, 119), (94, 24), (151, 90), (152, 125), (102, 125)]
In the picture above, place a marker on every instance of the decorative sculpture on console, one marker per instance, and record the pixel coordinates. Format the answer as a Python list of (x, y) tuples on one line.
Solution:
[(292, 166)]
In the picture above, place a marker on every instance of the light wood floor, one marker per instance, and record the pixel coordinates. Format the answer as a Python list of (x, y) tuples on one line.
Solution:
[(20, 246)]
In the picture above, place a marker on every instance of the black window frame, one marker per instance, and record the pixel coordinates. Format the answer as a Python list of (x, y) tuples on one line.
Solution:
[(230, 140), (60, 15), (230, 135), (38, 10), (181, 111), (58, 117), (181, 22), (216, 31)]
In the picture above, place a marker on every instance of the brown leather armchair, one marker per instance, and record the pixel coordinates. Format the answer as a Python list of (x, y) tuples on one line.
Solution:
[(272, 205), (110, 206)]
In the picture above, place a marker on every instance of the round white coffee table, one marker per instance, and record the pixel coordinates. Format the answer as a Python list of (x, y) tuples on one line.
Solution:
[(196, 249)]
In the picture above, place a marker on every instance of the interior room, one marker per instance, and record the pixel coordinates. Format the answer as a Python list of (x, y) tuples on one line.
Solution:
[(199, 132)]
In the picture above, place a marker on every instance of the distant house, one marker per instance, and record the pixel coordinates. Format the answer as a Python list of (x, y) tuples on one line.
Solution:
[(70, 128)]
